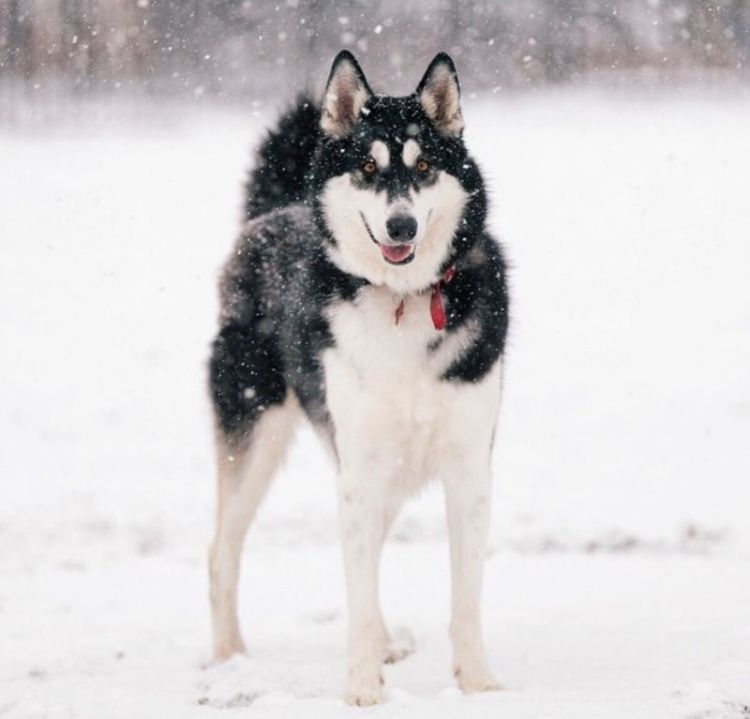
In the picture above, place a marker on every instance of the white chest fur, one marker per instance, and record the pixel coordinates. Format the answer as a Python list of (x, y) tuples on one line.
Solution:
[(392, 412)]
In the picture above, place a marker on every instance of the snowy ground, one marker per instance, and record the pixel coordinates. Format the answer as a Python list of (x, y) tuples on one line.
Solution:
[(619, 578)]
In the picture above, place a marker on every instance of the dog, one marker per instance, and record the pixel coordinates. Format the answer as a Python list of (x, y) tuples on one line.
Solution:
[(366, 294)]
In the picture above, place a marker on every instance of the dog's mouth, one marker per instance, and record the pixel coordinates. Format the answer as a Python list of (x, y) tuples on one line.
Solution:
[(400, 254), (397, 254)]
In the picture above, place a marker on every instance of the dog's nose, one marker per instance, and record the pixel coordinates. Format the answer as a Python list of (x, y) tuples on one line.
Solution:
[(401, 228)]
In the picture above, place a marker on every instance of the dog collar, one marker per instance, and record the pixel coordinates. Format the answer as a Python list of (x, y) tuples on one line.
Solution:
[(437, 305)]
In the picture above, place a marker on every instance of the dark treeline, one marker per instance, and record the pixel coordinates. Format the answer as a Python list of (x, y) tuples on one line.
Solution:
[(248, 48)]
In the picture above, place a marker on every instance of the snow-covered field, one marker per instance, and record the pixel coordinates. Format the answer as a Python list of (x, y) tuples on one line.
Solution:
[(619, 578)]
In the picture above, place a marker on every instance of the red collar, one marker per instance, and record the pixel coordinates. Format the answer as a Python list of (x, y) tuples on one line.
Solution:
[(437, 306)]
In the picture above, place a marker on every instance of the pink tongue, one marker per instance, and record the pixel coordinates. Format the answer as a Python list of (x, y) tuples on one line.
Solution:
[(396, 253)]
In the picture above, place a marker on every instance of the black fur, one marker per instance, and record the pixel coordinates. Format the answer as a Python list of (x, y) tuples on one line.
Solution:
[(284, 161), (279, 281), (274, 290)]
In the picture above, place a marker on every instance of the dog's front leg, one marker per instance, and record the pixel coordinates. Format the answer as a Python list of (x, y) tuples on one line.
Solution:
[(362, 516), (467, 493)]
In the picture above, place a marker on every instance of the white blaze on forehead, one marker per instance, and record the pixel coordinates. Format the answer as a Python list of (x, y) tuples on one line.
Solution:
[(379, 153), (411, 152)]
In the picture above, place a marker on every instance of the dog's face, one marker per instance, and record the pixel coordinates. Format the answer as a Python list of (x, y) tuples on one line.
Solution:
[(393, 179)]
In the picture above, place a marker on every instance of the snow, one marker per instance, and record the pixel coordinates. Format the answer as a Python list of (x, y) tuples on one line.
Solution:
[(618, 582)]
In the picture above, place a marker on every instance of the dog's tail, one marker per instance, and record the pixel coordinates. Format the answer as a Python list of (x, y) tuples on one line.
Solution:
[(283, 161)]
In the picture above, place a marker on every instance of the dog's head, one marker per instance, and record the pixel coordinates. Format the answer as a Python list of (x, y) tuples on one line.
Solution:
[(394, 187)]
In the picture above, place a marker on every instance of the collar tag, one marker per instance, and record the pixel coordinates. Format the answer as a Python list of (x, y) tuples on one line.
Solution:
[(399, 311), (437, 305)]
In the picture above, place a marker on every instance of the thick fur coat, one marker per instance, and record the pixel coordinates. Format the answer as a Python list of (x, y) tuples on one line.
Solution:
[(366, 294)]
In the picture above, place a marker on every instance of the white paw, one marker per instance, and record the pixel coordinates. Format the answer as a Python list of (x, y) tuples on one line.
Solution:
[(226, 649), (400, 645), (476, 678), (364, 690)]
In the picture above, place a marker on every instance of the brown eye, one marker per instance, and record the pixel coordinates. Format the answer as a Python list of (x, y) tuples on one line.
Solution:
[(369, 167), (423, 166)]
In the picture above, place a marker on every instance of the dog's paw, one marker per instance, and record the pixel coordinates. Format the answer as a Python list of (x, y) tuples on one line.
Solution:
[(400, 645), (364, 691), (225, 650), (476, 679)]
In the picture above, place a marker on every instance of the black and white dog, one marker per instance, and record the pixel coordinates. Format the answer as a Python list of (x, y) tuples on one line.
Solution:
[(365, 293)]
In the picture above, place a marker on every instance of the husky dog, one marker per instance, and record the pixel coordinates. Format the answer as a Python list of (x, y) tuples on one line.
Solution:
[(365, 293)]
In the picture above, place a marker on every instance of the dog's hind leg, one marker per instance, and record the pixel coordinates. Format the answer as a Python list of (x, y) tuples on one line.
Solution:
[(245, 469)]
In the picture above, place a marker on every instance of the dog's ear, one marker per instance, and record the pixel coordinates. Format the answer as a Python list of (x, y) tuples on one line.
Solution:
[(439, 94), (347, 92)]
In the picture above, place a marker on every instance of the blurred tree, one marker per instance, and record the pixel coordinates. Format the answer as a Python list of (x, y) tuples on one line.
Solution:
[(246, 48)]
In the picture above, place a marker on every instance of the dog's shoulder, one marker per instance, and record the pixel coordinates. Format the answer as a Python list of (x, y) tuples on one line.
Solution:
[(478, 299), (282, 229), (265, 254)]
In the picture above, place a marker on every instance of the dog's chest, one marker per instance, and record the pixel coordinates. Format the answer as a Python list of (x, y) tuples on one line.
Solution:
[(383, 377), (391, 348)]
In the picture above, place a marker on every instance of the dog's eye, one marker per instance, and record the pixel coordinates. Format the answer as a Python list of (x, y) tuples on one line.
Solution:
[(369, 167), (422, 165)]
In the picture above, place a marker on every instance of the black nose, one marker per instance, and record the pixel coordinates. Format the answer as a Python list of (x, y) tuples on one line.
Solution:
[(401, 228)]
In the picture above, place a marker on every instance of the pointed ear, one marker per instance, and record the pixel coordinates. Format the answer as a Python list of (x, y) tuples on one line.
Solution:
[(439, 94), (346, 93)]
